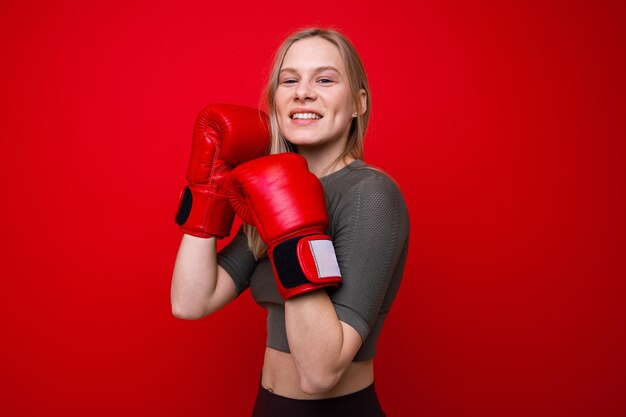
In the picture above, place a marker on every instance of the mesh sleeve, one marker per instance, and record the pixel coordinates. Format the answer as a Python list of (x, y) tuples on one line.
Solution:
[(237, 259), (370, 235)]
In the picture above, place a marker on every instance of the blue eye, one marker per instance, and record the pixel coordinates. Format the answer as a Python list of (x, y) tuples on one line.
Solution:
[(289, 81), (325, 80)]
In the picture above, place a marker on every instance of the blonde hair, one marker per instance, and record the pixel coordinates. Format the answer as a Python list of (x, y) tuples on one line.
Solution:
[(357, 79)]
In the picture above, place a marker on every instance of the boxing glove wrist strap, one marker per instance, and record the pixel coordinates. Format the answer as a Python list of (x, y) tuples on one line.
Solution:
[(305, 263), (203, 213)]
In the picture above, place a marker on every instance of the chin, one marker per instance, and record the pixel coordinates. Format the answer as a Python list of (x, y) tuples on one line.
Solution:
[(300, 140)]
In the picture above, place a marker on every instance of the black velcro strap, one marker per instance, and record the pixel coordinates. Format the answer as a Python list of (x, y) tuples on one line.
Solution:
[(184, 209), (287, 263)]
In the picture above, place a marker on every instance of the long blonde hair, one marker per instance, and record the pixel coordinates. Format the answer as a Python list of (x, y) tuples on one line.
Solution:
[(357, 80)]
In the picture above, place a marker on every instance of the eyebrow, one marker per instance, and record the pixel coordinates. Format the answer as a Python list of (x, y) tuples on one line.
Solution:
[(316, 70)]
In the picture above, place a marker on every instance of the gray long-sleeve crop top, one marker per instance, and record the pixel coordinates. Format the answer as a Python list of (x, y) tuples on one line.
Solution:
[(369, 225)]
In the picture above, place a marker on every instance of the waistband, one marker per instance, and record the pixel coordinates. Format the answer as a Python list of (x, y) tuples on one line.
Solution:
[(363, 403), (365, 392)]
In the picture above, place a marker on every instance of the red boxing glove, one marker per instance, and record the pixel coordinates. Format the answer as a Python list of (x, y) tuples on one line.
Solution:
[(224, 136), (285, 202)]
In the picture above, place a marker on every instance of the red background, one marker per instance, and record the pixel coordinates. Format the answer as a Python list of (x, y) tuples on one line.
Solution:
[(502, 123)]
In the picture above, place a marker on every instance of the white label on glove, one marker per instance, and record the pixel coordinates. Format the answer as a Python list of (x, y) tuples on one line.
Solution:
[(325, 259)]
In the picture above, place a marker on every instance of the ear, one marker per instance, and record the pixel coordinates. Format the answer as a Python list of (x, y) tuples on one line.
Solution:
[(363, 98)]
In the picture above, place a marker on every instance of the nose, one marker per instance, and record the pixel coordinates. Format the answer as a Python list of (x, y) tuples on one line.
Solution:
[(304, 92)]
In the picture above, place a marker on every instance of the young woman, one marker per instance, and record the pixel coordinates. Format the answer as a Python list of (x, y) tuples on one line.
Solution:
[(324, 256)]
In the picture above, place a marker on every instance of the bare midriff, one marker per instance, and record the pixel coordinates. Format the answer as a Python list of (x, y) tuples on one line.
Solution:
[(280, 376)]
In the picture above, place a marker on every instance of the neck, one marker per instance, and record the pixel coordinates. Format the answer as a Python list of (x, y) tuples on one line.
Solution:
[(322, 161)]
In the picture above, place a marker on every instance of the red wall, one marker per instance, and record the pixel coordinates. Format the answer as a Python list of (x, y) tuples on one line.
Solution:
[(503, 124)]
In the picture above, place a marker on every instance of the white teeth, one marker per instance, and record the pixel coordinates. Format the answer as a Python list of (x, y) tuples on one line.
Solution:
[(306, 116)]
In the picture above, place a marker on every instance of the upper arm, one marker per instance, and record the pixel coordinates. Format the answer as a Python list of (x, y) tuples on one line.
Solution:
[(225, 291), (352, 341), (369, 237), (235, 265)]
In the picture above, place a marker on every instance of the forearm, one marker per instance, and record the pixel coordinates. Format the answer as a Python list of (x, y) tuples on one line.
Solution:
[(317, 341), (195, 277)]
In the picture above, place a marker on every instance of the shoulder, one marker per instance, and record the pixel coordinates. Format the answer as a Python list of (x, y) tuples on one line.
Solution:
[(364, 193), (361, 182)]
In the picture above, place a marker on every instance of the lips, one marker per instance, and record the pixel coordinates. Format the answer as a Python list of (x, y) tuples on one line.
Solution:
[(304, 114)]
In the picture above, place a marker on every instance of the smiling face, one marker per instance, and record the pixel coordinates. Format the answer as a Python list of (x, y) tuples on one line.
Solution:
[(314, 104)]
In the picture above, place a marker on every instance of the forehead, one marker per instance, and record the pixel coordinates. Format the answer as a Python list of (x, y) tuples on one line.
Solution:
[(313, 53)]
